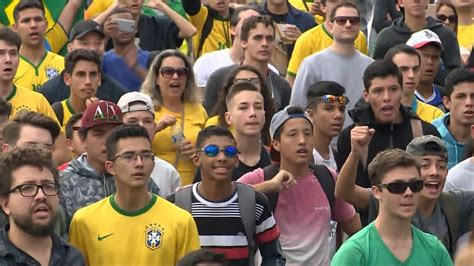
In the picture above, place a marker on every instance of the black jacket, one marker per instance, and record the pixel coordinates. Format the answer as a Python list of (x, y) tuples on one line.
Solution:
[(55, 90), (399, 33)]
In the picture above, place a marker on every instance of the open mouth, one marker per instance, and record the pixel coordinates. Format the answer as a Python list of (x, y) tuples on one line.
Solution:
[(387, 110), (302, 151), (41, 209), (432, 186)]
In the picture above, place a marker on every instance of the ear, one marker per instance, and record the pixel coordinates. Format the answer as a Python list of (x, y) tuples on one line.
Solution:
[(67, 79), (15, 27), (109, 166), (69, 144), (400, 3), (69, 47), (100, 79), (330, 26), (376, 192), (243, 44), (228, 118), (233, 31), (472, 131), (447, 102), (196, 160), (5, 147), (276, 145), (365, 94), (4, 202)]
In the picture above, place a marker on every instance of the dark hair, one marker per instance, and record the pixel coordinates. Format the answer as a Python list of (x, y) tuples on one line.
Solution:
[(401, 49), (388, 160), (381, 69), (5, 108), (123, 132), (69, 128), (120, 11), (11, 133), (252, 22), (26, 4), (211, 131), (239, 87), (221, 105), (202, 256), (291, 110), (322, 88), (77, 55), (235, 16), (343, 4), (458, 75), (9, 36), (34, 155), (448, 3)]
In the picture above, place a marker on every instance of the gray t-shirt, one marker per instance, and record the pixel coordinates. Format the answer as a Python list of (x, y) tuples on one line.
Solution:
[(329, 66), (461, 176)]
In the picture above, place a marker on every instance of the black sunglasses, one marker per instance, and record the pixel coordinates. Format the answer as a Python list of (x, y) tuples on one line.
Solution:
[(399, 187), (342, 20), (443, 18), (213, 150), (168, 72)]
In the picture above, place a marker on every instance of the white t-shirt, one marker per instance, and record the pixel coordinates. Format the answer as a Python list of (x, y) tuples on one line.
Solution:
[(165, 177), (461, 176), (330, 163)]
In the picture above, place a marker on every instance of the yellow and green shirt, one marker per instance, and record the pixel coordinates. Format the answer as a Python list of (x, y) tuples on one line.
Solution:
[(426, 112), (23, 99), (68, 112), (158, 234), (466, 36), (32, 77), (315, 40)]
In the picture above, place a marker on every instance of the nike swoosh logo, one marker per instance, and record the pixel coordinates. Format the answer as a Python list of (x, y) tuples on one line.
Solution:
[(100, 238)]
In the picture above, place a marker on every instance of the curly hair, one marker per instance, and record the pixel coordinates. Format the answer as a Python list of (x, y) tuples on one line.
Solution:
[(150, 88)]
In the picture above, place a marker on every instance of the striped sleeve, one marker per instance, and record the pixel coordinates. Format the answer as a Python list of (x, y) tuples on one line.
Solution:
[(266, 229)]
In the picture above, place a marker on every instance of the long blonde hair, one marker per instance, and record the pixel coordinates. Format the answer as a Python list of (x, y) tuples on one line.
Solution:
[(150, 88)]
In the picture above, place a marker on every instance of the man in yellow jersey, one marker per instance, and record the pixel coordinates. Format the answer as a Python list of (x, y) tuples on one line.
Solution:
[(82, 75), (465, 10), (408, 60), (317, 39), (37, 65), (212, 24), (132, 226)]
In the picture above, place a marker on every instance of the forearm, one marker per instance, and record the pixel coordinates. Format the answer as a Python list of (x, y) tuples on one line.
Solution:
[(102, 17), (186, 29), (66, 19), (271, 253), (351, 225), (266, 187), (346, 188)]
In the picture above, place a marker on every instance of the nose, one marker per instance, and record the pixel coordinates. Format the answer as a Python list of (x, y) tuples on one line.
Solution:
[(40, 195), (339, 114), (252, 111), (411, 73)]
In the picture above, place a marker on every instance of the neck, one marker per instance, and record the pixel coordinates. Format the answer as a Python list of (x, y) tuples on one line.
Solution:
[(225, 13), (460, 132), (277, 9), (261, 66), (33, 54), (321, 144), (407, 98), (344, 49), (415, 23), (425, 89), (465, 15), (121, 49), (77, 104), (5, 88), (248, 144), (393, 229), (173, 104), (426, 207), (35, 246), (297, 170), (99, 167), (215, 190), (132, 199)]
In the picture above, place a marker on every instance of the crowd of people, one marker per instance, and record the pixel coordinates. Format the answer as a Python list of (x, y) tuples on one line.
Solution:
[(219, 132)]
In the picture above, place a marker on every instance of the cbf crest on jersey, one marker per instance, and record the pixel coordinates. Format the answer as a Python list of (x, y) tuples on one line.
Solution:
[(153, 236), (51, 72)]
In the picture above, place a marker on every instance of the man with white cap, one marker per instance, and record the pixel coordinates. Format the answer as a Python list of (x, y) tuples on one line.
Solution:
[(137, 108), (429, 46)]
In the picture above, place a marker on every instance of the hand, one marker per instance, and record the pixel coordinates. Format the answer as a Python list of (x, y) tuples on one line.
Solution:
[(155, 4), (360, 139), (187, 148), (282, 181), (110, 27), (165, 122), (315, 9), (292, 32)]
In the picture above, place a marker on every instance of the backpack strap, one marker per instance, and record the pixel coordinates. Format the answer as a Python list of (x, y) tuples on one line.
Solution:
[(206, 30), (58, 110), (450, 207), (246, 195), (183, 198), (268, 173), (416, 127), (326, 180)]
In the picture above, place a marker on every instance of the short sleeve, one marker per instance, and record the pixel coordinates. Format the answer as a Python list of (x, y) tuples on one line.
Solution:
[(56, 38), (252, 178), (342, 209), (266, 229), (348, 254)]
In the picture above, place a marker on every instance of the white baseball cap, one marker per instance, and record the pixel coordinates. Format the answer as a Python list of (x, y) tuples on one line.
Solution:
[(424, 37), (136, 101)]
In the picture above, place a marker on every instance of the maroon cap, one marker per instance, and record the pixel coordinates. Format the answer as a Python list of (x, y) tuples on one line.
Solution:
[(101, 113)]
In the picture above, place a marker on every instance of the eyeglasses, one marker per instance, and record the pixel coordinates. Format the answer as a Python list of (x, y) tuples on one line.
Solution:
[(443, 18), (168, 72), (399, 187), (31, 190), (342, 20), (328, 98), (132, 156), (255, 81), (213, 150)]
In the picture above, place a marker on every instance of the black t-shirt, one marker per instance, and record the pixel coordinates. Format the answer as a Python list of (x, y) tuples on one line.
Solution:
[(243, 168), (158, 33)]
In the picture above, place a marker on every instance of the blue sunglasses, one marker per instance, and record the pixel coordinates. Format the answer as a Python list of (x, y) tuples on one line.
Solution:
[(213, 150)]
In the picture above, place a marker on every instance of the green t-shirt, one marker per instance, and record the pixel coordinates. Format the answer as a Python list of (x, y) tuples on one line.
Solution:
[(367, 248)]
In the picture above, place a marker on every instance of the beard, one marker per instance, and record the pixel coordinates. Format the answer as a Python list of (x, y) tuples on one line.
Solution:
[(27, 225)]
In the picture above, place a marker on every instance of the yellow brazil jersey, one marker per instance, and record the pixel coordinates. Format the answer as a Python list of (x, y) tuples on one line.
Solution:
[(23, 99), (159, 234), (304, 6), (466, 36), (97, 7), (68, 111), (55, 38), (426, 112), (315, 40), (218, 38), (195, 117), (32, 77)]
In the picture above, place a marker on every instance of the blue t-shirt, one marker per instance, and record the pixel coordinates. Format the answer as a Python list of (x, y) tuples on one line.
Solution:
[(115, 67)]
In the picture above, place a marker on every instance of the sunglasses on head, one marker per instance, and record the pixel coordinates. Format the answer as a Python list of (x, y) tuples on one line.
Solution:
[(443, 18), (328, 98), (255, 81), (399, 187), (342, 20), (168, 72), (213, 150)]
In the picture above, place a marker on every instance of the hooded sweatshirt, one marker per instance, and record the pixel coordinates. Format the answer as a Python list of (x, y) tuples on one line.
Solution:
[(455, 148), (82, 185), (399, 33)]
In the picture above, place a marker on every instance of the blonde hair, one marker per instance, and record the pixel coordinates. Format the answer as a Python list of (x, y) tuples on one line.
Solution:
[(150, 88)]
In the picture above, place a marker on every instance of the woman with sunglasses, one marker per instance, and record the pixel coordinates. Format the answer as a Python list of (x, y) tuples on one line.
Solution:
[(446, 13), (178, 111)]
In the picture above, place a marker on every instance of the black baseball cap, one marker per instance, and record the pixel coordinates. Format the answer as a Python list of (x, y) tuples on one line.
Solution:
[(81, 28)]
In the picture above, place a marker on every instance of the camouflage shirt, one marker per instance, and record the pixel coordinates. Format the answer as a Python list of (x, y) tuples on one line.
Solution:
[(82, 185), (61, 253)]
